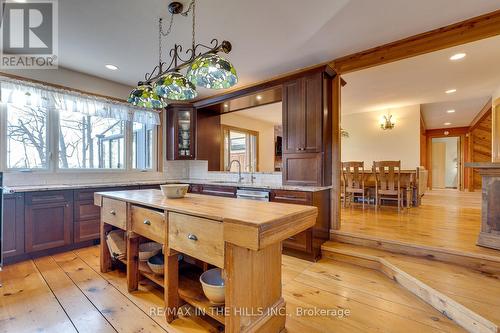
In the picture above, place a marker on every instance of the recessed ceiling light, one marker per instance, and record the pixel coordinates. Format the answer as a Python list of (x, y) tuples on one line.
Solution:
[(451, 91), (451, 111), (259, 97), (457, 56), (111, 67), (447, 124), (20, 1)]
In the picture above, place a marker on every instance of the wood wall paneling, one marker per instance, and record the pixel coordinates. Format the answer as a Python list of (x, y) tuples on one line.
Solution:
[(209, 138), (480, 138)]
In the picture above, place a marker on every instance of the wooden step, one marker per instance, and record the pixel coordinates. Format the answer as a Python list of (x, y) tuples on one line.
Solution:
[(480, 262), (469, 297)]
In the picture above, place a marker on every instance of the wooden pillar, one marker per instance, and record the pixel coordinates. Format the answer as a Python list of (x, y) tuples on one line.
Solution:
[(495, 131), (336, 157)]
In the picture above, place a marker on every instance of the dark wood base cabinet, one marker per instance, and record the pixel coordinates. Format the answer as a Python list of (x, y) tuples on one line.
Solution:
[(13, 225), (48, 222), (307, 244)]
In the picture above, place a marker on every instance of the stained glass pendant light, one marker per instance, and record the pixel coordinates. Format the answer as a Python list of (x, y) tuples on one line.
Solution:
[(205, 68), (175, 86), (212, 71), (144, 96)]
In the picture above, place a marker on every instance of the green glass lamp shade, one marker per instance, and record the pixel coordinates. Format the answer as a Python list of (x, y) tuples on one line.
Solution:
[(175, 86), (213, 72), (144, 96)]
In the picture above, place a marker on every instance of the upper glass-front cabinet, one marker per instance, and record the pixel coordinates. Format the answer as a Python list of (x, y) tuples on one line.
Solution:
[(181, 120)]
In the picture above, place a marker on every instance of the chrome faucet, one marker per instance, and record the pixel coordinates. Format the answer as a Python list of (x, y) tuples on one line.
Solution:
[(252, 177), (240, 179)]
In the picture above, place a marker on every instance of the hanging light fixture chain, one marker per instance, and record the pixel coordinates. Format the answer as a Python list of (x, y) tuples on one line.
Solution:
[(161, 34), (194, 23)]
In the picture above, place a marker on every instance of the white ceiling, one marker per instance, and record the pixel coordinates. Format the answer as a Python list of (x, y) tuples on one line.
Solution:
[(269, 37), (435, 114), (424, 80), (271, 113)]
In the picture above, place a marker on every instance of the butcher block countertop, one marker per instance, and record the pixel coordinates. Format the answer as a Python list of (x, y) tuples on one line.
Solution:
[(248, 223)]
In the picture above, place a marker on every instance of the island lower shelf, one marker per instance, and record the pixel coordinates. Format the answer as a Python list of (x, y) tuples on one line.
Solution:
[(190, 289)]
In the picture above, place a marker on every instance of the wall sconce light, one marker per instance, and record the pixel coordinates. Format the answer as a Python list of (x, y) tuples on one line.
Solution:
[(387, 122)]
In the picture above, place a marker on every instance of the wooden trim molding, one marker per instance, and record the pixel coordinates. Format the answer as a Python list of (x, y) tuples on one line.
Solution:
[(263, 85), (440, 132), (496, 102), (480, 27), (485, 112), (227, 128)]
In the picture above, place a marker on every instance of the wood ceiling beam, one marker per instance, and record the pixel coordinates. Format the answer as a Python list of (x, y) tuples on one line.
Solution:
[(480, 27)]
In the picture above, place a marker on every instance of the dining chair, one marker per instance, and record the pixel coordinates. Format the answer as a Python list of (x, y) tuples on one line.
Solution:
[(388, 182), (354, 181)]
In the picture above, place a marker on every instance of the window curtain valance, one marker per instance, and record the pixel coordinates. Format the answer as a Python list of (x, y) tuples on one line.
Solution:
[(20, 94)]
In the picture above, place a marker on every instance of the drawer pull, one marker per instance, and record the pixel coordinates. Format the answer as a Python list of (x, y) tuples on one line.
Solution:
[(192, 237), (292, 238), (147, 222), (112, 212)]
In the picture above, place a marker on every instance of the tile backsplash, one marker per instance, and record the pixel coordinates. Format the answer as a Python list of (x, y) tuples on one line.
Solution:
[(72, 177), (173, 170), (198, 170)]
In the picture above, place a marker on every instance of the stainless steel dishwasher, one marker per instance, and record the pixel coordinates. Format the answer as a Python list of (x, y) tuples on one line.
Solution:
[(252, 194)]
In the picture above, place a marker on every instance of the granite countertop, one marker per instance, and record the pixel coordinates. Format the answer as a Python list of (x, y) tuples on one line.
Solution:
[(55, 187), (266, 186)]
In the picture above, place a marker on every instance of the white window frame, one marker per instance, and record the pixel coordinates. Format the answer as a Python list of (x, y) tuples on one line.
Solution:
[(53, 149)]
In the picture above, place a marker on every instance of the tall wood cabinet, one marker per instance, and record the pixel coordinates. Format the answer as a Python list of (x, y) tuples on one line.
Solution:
[(181, 132), (48, 219), (307, 129), (13, 225)]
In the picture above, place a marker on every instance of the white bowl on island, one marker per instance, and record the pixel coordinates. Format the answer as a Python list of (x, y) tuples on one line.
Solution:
[(214, 286), (174, 191)]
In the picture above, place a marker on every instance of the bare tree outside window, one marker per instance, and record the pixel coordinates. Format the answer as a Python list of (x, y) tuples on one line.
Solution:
[(27, 137), (90, 142)]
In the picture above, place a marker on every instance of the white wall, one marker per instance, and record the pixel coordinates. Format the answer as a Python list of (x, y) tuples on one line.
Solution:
[(266, 137), (368, 142), (75, 80)]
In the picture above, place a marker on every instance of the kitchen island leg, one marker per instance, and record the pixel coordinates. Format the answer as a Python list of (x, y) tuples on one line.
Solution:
[(253, 289)]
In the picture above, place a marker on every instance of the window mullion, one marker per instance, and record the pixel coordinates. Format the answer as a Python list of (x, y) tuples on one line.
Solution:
[(128, 145), (53, 140)]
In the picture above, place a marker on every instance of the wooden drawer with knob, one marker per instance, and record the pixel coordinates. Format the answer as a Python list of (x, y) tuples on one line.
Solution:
[(301, 241), (114, 212), (148, 223), (198, 237)]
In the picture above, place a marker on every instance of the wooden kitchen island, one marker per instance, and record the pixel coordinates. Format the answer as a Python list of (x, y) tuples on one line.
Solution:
[(243, 237)]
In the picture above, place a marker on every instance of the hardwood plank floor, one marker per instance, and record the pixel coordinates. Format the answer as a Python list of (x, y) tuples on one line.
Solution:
[(447, 219), (475, 290), (63, 289)]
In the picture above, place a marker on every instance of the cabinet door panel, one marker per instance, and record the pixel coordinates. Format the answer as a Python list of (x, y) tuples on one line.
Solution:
[(86, 210), (303, 169), (48, 226), (312, 125), (86, 230), (293, 116), (13, 225)]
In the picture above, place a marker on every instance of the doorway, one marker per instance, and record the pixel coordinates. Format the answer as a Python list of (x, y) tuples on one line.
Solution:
[(446, 162)]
